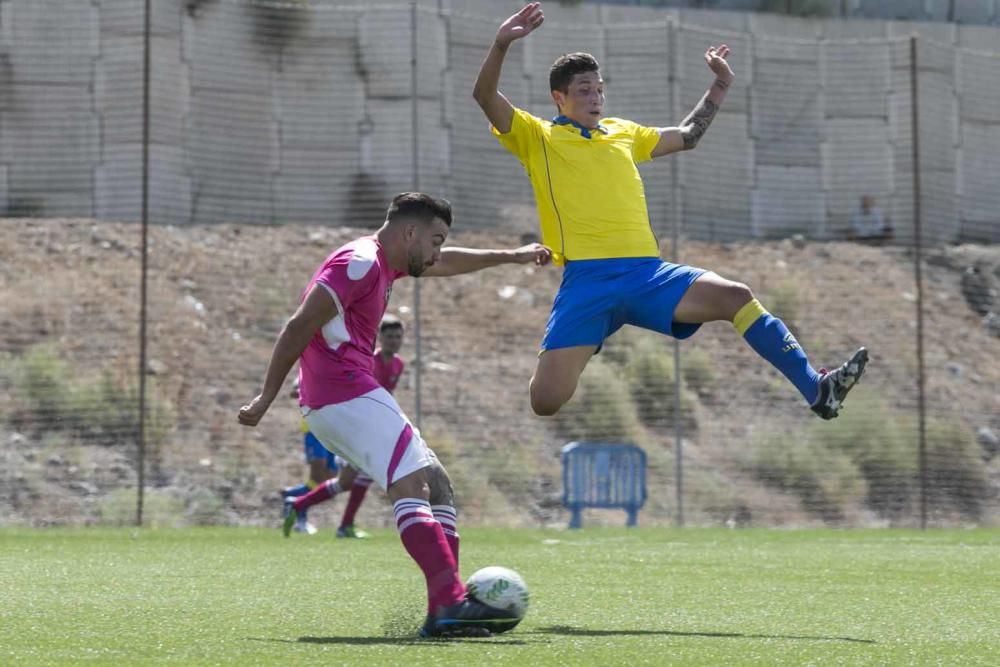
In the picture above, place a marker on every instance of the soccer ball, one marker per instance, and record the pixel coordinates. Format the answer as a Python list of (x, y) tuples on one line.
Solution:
[(501, 588)]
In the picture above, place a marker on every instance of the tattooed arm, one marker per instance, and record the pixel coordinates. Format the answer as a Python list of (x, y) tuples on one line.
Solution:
[(687, 135)]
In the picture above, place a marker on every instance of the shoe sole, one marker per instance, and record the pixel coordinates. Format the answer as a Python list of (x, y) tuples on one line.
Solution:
[(860, 359), (457, 633)]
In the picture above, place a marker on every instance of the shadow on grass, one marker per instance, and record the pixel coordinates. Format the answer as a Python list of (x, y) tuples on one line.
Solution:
[(395, 641), (586, 632), (565, 630)]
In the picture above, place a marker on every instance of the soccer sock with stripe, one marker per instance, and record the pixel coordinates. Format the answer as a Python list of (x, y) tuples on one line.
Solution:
[(324, 491), (425, 541), (448, 518), (358, 491), (770, 338)]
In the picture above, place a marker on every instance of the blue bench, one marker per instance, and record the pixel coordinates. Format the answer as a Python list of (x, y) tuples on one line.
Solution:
[(603, 476)]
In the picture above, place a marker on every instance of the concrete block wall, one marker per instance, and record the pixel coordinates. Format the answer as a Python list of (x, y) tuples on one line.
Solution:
[(488, 187), (271, 116), (716, 179), (49, 129), (319, 107), (118, 101)]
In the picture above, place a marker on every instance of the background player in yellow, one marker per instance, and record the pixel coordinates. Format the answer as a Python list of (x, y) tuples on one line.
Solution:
[(592, 211)]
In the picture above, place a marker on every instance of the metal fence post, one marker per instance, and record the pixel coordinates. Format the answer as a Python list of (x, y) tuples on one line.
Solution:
[(144, 270), (918, 277), (675, 240), (415, 165)]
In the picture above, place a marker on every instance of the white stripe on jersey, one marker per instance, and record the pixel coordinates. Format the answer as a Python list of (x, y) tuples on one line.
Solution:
[(363, 257)]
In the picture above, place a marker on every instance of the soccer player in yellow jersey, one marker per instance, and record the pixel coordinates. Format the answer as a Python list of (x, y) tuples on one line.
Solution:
[(593, 216)]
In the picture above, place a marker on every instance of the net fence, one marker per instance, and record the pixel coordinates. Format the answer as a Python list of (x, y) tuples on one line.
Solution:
[(277, 131)]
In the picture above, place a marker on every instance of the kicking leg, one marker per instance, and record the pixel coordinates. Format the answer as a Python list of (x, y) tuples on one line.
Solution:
[(556, 376), (442, 501), (449, 611), (424, 539)]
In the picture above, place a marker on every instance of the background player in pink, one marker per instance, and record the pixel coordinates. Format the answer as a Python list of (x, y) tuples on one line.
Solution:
[(332, 335), (388, 367)]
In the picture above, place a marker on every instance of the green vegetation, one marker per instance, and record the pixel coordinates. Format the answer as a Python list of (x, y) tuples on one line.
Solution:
[(784, 302), (868, 458), (50, 395), (652, 383), (698, 370), (599, 597), (602, 408)]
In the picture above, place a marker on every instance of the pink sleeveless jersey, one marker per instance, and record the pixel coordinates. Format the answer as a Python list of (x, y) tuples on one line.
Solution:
[(388, 374), (337, 365)]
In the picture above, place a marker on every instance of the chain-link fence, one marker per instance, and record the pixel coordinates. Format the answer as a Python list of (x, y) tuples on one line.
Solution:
[(256, 137)]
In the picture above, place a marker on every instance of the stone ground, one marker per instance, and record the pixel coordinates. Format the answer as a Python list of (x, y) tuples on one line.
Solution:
[(218, 296)]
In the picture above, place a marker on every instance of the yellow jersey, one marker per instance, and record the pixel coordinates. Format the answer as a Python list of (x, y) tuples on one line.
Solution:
[(591, 203)]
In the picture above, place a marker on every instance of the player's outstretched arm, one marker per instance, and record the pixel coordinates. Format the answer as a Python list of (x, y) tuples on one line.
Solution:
[(498, 108), (317, 309), (689, 133), (466, 260)]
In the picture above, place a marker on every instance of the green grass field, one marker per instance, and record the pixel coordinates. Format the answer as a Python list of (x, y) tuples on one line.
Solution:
[(599, 597)]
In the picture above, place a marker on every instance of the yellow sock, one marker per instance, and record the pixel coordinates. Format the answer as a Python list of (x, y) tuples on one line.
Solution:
[(747, 315)]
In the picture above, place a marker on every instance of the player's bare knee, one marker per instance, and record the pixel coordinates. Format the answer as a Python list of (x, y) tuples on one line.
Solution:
[(738, 295), (545, 405)]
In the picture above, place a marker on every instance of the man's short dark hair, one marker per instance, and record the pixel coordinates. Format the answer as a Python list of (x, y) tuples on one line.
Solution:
[(390, 322), (420, 206), (568, 65)]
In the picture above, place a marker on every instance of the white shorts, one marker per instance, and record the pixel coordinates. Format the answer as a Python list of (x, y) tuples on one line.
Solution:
[(372, 434)]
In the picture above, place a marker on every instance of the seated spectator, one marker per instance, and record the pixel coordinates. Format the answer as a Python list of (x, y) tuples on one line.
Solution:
[(868, 223)]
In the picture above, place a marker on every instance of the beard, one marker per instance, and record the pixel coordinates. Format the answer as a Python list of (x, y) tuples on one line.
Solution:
[(415, 266)]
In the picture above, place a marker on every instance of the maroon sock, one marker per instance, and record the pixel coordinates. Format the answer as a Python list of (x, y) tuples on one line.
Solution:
[(324, 491), (448, 518), (425, 542), (358, 491)]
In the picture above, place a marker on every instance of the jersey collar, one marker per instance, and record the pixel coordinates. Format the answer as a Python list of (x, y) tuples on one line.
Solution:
[(584, 131)]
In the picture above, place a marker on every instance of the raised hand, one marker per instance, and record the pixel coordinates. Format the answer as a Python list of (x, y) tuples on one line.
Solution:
[(520, 25), (715, 57)]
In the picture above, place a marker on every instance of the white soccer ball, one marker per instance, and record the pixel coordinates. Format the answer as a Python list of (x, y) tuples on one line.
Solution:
[(502, 588)]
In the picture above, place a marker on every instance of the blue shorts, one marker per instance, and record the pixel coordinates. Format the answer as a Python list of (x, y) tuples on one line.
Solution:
[(599, 296), (316, 451)]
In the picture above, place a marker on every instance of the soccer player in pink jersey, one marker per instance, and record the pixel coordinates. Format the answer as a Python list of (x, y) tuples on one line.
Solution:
[(388, 367), (332, 335)]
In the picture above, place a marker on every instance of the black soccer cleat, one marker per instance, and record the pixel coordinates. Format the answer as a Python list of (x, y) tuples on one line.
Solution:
[(431, 630), (468, 618), (498, 626), (835, 385)]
